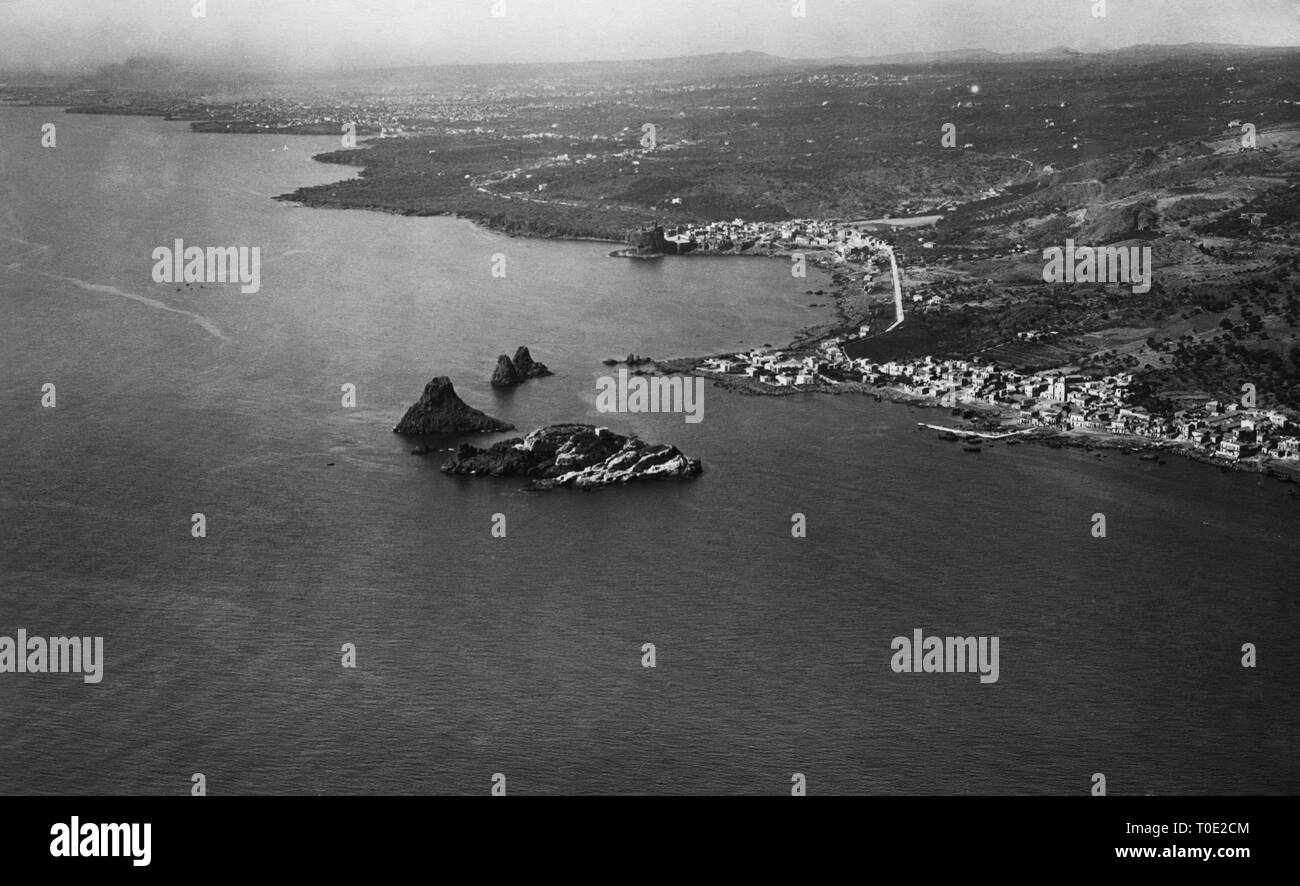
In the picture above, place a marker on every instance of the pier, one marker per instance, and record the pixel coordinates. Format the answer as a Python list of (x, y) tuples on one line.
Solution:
[(985, 435)]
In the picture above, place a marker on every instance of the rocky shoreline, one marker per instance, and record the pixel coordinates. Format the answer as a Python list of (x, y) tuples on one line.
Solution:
[(574, 456), (492, 222), (988, 418), (1146, 448)]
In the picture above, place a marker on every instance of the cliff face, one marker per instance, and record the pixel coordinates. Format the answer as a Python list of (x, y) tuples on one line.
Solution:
[(650, 241), (653, 241), (579, 456), (505, 376), (527, 367), (441, 411)]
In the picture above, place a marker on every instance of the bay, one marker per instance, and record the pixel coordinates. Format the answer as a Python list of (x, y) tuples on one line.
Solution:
[(523, 655)]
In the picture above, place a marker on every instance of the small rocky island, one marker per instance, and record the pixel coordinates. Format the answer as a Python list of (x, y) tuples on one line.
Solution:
[(632, 360), (517, 371), (578, 456), (441, 411)]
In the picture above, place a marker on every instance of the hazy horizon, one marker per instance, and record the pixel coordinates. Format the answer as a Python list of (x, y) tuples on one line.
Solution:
[(74, 36)]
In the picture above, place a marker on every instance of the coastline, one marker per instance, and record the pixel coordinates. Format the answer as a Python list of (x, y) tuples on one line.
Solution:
[(1052, 438), (809, 339), (474, 218)]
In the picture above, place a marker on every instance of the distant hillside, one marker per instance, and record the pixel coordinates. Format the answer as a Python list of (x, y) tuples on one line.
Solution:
[(682, 69), (1140, 54), (164, 74), (721, 66)]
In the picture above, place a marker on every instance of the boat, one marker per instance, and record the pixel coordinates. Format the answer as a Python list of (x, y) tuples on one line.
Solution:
[(973, 449)]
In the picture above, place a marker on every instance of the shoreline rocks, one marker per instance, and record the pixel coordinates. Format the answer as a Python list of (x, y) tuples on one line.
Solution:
[(577, 456), (632, 360), (522, 368), (441, 411), (505, 376)]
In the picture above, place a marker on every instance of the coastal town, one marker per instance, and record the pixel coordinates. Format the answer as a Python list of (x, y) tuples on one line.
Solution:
[(1010, 400), (842, 241), (995, 397)]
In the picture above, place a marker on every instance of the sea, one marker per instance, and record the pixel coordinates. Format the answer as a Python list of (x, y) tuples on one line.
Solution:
[(525, 656)]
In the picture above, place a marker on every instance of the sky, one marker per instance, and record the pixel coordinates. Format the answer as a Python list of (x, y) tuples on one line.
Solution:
[(61, 35)]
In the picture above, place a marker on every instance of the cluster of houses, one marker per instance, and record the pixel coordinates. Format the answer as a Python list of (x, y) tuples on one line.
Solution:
[(776, 368), (848, 242), (1048, 400), (1235, 432)]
